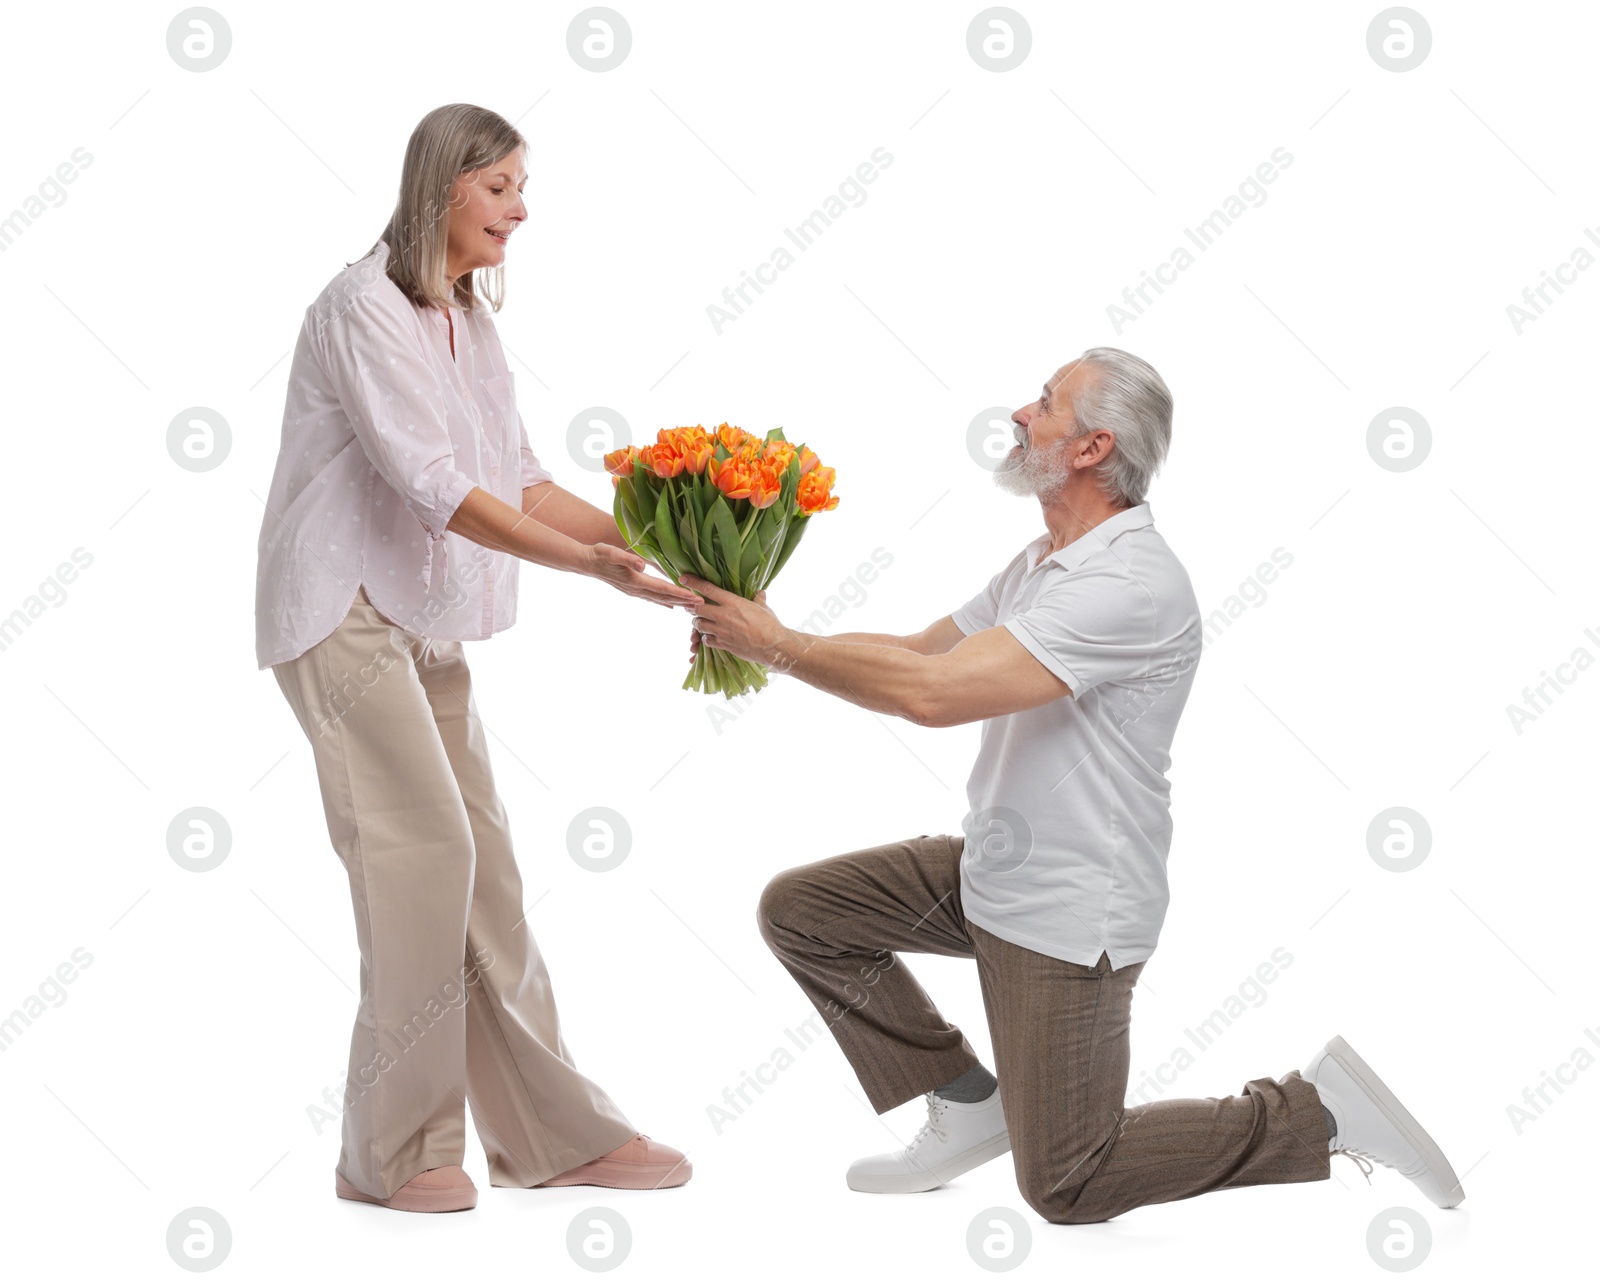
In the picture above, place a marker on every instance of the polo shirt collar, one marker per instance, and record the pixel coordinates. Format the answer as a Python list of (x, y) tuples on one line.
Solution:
[(1080, 549)]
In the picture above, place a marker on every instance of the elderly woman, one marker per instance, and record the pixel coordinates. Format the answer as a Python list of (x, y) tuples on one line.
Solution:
[(401, 429)]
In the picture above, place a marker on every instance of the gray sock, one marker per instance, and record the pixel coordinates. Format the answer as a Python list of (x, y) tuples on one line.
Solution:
[(1332, 1127), (970, 1086)]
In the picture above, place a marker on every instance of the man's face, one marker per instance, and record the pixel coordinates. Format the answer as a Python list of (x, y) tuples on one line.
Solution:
[(1041, 460)]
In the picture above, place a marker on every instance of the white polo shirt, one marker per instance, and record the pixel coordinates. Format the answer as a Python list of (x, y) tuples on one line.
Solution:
[(1066, 839)]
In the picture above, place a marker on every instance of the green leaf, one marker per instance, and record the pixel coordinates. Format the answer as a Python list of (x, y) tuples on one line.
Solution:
[(727, 541), (775, 434), (644, 501), (772, 534), (636, 517), (749, 521), (667, 536), (791, 540), (646, 545), (627, 522), (706, 554), (689, 540), (750, 562)]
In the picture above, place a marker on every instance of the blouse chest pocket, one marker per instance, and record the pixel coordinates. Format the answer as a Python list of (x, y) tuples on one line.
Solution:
[(502, 441)]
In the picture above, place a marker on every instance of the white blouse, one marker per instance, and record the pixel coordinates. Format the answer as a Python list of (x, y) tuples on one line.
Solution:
[(384, 434)]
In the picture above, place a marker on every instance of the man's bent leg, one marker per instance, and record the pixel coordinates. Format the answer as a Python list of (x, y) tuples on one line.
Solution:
[(835, 924), (1060, 1034)]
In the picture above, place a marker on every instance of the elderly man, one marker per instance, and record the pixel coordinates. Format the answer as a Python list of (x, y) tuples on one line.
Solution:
[(1078, 658)]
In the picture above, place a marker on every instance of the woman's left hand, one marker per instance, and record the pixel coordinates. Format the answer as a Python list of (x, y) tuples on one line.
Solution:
[(624, 570)]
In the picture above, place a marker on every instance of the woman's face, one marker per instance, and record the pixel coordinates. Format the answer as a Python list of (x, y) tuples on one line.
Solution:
[(485, 207)]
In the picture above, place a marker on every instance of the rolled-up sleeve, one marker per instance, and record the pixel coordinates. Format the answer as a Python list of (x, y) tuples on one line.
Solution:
[(532, 472), (395, 406)]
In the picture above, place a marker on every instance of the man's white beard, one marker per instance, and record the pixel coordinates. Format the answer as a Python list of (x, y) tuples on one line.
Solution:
[(1041, 473)]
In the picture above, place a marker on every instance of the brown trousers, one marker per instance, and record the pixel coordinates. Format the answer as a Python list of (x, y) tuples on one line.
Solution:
[(1060, 1036), (456, 1004)]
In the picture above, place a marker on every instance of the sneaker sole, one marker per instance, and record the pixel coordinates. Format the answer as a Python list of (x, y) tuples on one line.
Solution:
[(1383, 1098), (971, 1158)]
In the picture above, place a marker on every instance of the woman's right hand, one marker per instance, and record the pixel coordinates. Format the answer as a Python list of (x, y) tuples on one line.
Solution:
[(625, 570)]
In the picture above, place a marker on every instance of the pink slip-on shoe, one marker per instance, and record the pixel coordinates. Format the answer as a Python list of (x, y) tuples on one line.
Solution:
[(439, 1190), (639, 1164)]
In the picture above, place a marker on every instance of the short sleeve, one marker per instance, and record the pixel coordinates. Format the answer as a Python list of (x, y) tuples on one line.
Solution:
[(375, 365), (981, 612), (532, 472), (1092, 626)]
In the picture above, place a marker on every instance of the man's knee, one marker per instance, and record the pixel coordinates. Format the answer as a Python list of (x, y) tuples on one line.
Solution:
[(1054, 1198), (1057, 1206), (780, 902)]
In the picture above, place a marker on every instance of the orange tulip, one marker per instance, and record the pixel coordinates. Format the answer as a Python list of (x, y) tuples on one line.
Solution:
[(808, 461), (619, 462), (698, 456), (767, 485), (662, 460), (733, 476), (815, 494), (678, 449)]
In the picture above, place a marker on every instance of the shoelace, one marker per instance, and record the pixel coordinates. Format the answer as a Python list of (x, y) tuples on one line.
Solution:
[(932, 1127), (1362, 1163)]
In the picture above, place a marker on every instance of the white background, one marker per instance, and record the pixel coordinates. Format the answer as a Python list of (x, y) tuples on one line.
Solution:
[(1375, 673)]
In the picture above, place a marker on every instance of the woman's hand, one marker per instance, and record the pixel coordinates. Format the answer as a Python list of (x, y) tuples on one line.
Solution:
[(624, 570)]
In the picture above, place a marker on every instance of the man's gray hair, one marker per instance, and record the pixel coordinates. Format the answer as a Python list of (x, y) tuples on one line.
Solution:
[(1125, 396)]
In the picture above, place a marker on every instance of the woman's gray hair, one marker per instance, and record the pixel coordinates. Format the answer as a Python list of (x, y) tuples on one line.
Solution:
[(447, 142), (1125, 396)]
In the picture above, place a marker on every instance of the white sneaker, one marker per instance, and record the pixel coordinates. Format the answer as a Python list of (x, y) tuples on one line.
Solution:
[(1371, 1123), (958, 1136)]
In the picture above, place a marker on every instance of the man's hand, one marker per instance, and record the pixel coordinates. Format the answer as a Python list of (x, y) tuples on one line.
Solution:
[(624, 570), (745, 628)]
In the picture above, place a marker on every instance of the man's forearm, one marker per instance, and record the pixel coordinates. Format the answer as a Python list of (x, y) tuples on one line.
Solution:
[(871, 637), (879, 677)]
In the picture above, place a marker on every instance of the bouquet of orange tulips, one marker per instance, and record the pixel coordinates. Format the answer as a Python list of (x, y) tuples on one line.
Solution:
[(726, 505)]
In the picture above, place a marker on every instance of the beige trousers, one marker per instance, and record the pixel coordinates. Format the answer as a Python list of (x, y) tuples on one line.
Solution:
[(456, 1004)]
